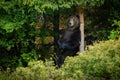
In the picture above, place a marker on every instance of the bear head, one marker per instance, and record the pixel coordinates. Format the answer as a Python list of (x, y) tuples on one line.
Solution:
[(73, 23)]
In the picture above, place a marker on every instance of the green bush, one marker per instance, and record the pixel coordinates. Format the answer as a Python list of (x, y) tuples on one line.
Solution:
[(100, 62), (17, 32)]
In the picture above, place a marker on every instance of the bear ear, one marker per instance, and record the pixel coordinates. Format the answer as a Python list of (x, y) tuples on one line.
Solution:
[(77, 16), (70, 15)]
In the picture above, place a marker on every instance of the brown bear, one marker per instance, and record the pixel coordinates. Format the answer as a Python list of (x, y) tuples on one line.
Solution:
[(70, 40)]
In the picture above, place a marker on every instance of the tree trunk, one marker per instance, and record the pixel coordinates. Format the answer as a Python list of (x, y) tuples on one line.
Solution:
[(81, 15), (56, 32)]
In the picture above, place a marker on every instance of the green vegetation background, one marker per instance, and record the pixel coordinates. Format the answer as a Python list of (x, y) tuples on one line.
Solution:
[(18, 19), (100, 62)]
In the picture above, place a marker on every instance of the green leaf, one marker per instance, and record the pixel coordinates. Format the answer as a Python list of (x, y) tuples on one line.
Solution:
[(9, 27)]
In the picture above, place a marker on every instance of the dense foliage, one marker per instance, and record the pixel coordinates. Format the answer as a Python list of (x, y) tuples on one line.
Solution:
[(16, 32), (100, 62), (17, 27), (18, 21), (102, 23)]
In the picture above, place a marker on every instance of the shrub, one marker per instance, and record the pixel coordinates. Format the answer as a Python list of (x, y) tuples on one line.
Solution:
[(100, 62), (37, 70)]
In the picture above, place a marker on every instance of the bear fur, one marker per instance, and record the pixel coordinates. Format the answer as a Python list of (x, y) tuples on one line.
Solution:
[(70, 40)]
